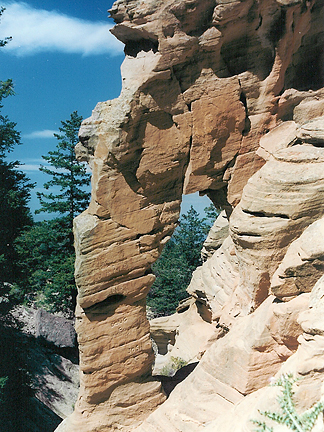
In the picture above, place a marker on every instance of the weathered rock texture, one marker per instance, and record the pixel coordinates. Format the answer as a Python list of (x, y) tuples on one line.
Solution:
[(306, 364), (234, 366), (183, 336), (216, 236), (214, 94)]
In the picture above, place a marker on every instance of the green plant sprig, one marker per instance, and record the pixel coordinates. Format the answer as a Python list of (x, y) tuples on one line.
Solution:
[(288, 415)]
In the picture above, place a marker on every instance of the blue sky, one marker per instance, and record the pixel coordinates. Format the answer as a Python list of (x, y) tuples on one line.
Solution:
[(62, 58)]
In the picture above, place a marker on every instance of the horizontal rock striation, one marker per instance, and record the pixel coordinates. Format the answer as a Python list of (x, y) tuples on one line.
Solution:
[(274, 211), (214, 99)]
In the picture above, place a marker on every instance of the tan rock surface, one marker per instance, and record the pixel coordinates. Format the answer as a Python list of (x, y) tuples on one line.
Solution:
[(302, 265), (306, 364), (215, 281), (218, 122), (240, 363), (274, 211), (281, 137), (183, 336), (216, 236), (312, 132)]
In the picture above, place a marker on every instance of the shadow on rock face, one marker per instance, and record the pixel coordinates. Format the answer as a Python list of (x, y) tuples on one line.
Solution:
[(169, 383), (20, 409)]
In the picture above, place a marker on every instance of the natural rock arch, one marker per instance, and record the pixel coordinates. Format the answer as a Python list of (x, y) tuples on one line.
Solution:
[(189, 118)]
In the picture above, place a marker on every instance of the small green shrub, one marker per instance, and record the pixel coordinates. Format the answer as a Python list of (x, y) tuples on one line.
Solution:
[(288, 415), (3, 383), (175, 364)]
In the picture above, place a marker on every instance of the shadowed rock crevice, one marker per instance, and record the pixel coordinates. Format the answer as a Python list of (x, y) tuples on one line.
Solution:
[(110, 302), (132, 48), (170, 383), (194, 18), (265, 215), (247, 126), (243, 55), (278, 26), (309, 59), (309, 56)]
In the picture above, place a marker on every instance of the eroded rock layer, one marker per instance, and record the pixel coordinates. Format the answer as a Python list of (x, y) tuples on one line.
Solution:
[(214, 95)]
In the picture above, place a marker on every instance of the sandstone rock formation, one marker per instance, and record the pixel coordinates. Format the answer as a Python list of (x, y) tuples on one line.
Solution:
[(257, 344), (235, 365), (303, 263), (215, 99)]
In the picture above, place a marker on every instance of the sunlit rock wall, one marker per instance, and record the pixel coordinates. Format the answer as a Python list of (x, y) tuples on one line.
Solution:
[(204, 82)]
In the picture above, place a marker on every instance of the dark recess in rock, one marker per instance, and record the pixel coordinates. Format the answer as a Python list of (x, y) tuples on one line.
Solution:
[(278, 27), (169, 383), (306, 71), (247, 54), (247, 126), (132, 48)]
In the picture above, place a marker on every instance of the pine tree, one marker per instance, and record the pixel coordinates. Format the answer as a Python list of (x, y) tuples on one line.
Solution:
[(14, 189), (15, 216), (46, 250), (180, 257), (68, 174), (189, 237), (47, 267)]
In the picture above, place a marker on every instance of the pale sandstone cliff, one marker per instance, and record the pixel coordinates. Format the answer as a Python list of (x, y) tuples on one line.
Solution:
[(216, 96)]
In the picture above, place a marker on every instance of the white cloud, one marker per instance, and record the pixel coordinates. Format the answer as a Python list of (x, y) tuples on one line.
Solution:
[(37, 30), (28, 167), (46, 133), (31, 164)]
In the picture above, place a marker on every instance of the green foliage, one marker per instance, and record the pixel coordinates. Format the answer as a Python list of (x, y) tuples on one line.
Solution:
[(3, 383), (14, 213), (46, 250), (68, 174), (14, 190), (172, 278), (211, 213), (189, 237), (288, 415), (175, 364), (9, 136), (47, 266), (4, 41), (180, 257)]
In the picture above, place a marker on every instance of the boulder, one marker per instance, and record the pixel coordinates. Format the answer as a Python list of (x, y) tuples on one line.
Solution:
[(55, 330), (182, 338)]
